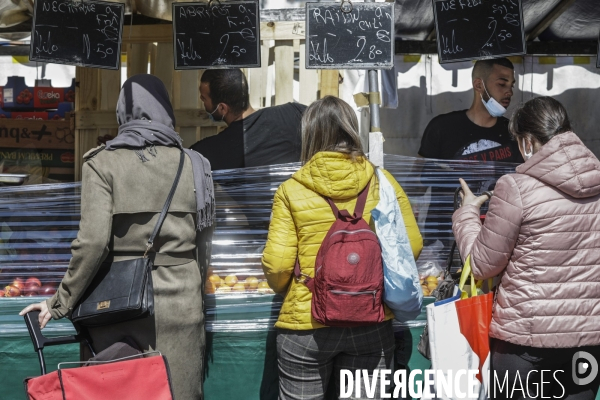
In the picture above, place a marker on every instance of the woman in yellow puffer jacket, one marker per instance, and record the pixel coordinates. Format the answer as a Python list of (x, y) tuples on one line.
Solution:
[(334, 166)]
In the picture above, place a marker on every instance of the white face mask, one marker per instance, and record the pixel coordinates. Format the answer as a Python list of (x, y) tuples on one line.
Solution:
[(212, 117), (527, 156), (494, 108)]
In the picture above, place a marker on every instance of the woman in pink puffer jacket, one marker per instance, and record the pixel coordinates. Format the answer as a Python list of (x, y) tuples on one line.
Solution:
[(542, 237)]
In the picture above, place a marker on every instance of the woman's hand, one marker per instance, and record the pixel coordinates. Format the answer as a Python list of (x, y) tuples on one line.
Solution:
[(468, 198), (44, 313)]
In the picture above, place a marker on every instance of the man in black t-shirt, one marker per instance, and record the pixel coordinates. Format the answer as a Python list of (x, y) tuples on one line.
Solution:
[(252, 138), (481, 132)]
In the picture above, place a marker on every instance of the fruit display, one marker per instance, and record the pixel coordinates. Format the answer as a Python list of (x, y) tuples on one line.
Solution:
[(234, 284), (429, 284), (39, 225), (39, 222), (32, 286)]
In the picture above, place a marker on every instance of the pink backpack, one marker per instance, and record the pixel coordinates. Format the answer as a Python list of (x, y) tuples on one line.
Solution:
[(348, 284)]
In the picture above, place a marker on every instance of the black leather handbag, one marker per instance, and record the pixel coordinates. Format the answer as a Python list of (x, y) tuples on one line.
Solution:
[(122, 290)]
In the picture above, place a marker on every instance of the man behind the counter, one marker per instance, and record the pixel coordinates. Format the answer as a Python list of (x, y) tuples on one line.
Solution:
[(481, 132), (252, 137)]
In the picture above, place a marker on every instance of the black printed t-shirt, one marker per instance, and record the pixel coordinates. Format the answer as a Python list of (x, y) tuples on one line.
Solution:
[(454, 136), (266, 137)]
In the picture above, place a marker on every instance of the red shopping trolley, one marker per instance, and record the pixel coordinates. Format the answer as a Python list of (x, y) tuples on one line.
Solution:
[(138, 377)]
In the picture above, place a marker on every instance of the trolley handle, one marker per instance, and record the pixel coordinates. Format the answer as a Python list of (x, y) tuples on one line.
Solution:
[(39, 340)]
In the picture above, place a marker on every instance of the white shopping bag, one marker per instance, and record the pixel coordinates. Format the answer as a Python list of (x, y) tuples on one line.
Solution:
[(453, 350)]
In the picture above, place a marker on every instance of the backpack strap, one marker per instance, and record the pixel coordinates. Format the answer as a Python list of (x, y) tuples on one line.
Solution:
[(361, 201), (358, 209), (308, 281)]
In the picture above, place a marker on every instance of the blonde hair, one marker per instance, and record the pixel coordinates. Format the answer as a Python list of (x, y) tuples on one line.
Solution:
[(330, 124)]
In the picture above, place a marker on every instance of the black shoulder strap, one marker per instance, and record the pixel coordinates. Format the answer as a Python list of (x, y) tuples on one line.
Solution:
[(163, 213)]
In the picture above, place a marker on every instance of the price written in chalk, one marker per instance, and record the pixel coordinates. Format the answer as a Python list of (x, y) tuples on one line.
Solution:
[(77, 33), (477, 29), (361, 38), (216, 35)]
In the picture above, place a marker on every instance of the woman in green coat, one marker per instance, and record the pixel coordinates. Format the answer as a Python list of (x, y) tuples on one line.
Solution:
[(124, 187)]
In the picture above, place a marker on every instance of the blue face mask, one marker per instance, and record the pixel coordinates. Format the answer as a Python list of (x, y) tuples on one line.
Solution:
[(212, 117), (494, 108)]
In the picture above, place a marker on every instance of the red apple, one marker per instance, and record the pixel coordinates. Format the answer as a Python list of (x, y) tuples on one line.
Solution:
[(12, 291), (18, 282), (31, 289), (47, 290), (2, 293), (33, 280)]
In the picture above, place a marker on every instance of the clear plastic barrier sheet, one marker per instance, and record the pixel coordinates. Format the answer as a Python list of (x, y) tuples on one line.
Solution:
[(39, 222)]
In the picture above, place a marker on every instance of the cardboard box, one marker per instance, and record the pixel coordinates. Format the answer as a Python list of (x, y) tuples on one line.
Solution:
[(27, 144), (59, 114), (36, 134), (50, 97), (16, 95)]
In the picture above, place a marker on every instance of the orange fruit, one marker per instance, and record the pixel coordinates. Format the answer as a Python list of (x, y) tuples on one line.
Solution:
[(231, 280), (239, 287), (223, 289), (215, 279), (251, 282), (431, 279), (263, 285)]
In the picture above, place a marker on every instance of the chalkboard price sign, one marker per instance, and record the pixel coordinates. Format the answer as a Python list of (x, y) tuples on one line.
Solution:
[(216, 34), (85, 33), (478, 29), (362, 38)]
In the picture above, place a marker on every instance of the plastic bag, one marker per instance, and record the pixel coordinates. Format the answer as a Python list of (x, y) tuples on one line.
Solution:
[(429, 268), (401, 280)]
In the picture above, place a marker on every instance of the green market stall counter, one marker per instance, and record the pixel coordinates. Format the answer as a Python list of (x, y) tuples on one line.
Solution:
[(241, 355)]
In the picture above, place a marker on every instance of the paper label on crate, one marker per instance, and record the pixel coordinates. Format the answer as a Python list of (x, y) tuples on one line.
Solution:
[(8, 95)]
